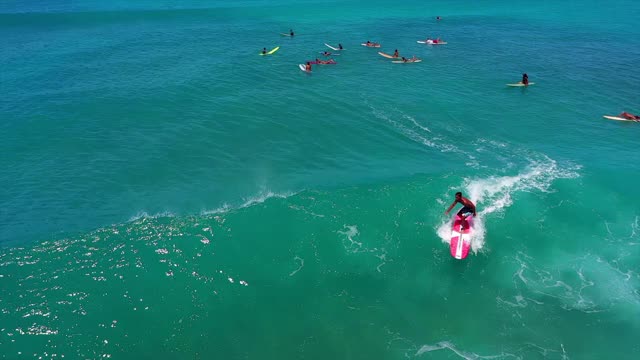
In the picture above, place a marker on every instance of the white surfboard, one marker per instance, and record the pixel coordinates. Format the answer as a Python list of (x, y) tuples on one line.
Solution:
[(619, 118), (438, 43), (520, 84), (303, 68), (333, 48), (405, 62)]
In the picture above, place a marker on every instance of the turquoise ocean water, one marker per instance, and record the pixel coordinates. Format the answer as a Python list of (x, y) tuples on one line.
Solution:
[(167, 193)]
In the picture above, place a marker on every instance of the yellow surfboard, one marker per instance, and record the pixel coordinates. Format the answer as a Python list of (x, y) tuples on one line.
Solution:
[(272, 51)]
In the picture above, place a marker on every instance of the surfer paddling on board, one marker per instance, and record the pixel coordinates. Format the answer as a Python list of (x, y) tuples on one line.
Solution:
[(629, 116), (468, 207), (525, 79), (410, 60)]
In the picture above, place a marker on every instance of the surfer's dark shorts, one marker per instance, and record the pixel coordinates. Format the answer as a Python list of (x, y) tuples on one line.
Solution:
[(465, 210)]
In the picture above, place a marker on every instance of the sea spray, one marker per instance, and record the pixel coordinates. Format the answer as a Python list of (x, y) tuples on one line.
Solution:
[(494, 194)]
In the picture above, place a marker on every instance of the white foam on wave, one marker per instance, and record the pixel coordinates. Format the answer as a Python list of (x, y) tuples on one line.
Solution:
[(220, 210), (462, 354), (494, 194), (353, 246), (144, 215), (350, 232), (261, 197), (587, 283), (635, 227), (300, 265)]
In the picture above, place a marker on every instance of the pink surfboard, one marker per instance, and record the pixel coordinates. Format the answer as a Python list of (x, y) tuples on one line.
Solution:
[(461, 232)]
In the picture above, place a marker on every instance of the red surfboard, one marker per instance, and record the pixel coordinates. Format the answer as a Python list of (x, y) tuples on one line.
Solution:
[(461, 231)]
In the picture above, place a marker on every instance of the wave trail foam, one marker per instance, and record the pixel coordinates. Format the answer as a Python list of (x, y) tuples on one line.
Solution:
[(463, 354), (410, 128), (495, 193)]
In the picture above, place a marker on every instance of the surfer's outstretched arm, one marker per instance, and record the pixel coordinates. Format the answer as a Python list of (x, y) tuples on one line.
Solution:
[(451, 207)]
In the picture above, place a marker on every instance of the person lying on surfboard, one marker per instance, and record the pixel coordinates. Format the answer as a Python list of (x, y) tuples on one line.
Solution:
[(330, 61), (326, 53), (629, 116), (413, 59), (467, 206)]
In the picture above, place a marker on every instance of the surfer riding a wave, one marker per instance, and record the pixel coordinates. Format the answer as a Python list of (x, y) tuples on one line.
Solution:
[(468, 207)]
